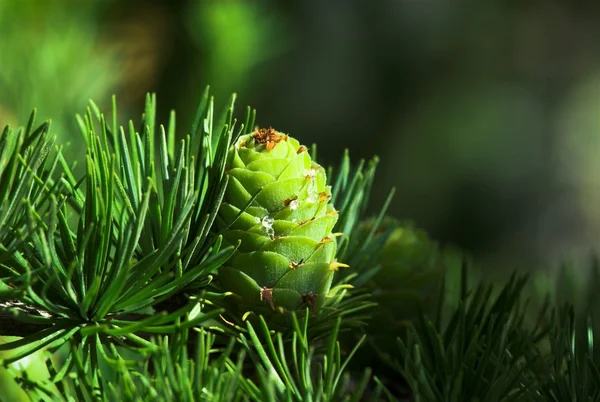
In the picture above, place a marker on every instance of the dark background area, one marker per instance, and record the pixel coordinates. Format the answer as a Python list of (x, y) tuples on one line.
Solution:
[(484, 113)]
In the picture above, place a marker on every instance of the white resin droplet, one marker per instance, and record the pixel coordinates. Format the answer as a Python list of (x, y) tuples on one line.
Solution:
[(294, 204), (267, 223), (311, 173), (257, 219), (313, 195)]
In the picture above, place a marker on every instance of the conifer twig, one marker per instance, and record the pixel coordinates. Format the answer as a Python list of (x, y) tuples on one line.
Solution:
[(11, 326)]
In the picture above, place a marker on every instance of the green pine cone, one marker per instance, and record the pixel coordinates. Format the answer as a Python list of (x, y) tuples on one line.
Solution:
[(412, 269), (411, 272), (286, 258)]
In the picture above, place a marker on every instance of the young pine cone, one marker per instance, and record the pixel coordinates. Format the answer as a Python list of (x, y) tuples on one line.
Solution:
[(286, 259)]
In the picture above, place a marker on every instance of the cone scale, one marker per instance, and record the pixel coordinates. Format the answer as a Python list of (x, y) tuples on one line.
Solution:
[(286, 259)]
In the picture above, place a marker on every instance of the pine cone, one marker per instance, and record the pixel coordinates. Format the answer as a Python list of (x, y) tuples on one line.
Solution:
[(412, 269), (409, 279), (286, 258)]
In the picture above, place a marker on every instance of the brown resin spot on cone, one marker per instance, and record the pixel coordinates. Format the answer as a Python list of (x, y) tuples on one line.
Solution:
[(294, 265), (323, 196), (302, 149), (266, 294), (326, 240), (288, 201), (306, 221), (311, 300), (269, 137)]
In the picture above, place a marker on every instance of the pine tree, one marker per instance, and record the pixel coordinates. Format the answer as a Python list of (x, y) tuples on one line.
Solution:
[(117, 284)]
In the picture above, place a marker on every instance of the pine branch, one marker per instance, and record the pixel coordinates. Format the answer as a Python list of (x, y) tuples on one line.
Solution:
[(143, 215), (12, 326), (118, 268)]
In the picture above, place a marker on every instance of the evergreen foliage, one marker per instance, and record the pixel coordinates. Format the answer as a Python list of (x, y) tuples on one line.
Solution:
[(110, 286)]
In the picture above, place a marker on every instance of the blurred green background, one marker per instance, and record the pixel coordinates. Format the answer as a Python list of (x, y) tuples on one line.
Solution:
[(484, 113)]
